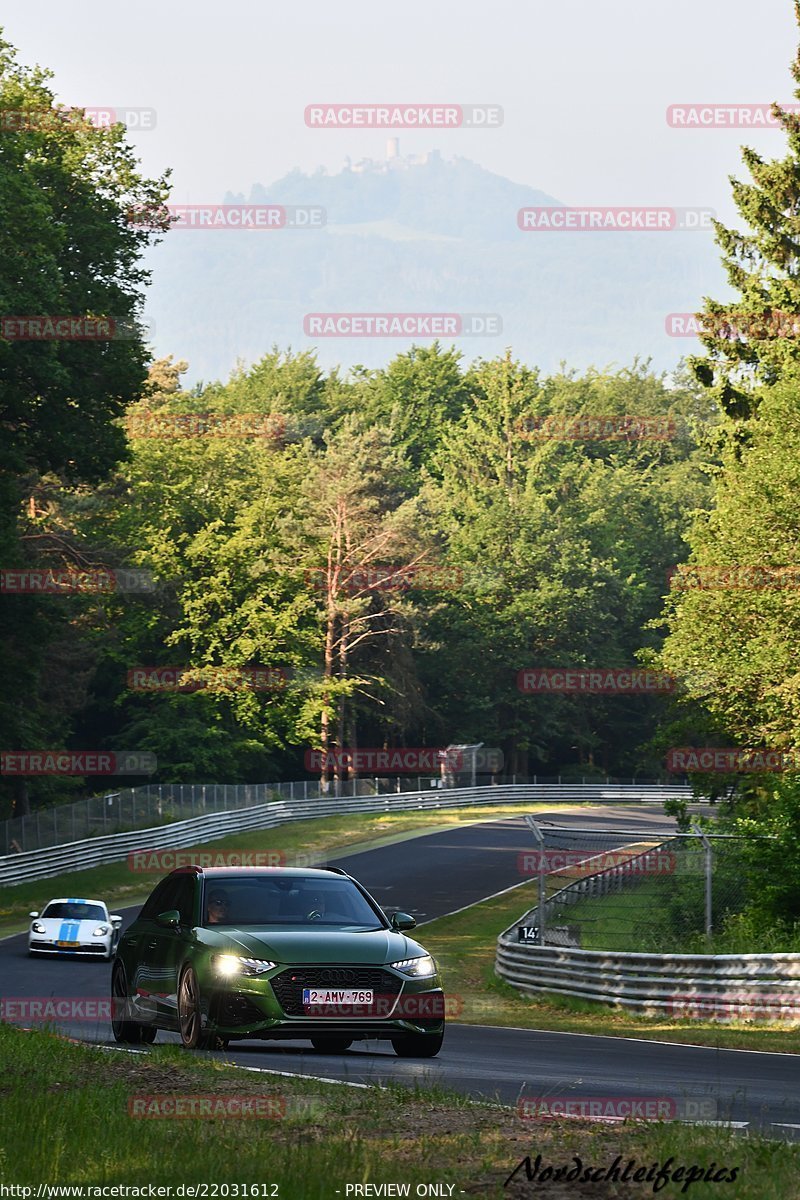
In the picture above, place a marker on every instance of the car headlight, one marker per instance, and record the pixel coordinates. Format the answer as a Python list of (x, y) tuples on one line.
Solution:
[(101, 931), (416, 967), (38, 927), (231, 964)]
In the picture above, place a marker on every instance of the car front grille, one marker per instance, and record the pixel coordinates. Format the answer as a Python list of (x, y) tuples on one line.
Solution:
[(288, 986)]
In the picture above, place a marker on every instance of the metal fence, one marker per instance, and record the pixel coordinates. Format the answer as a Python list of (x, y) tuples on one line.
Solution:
[(760, 987), (631, 890), (617, 909), (210, 824), (156, 804), (150, 805)]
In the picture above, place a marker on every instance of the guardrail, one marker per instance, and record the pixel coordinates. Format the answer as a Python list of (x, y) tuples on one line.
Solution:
[(97, 851), (754, 986), (165, 803), (735, 985)]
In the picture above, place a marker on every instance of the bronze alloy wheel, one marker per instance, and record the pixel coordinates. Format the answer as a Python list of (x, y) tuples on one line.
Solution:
[(189, 1009)]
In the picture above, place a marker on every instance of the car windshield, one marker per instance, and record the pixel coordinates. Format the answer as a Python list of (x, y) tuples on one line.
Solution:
[(71, 910), (295, 900)]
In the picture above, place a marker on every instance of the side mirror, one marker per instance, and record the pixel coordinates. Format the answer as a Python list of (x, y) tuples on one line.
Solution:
[(116, 921), (171, 919), (401, 920), (33, 915)]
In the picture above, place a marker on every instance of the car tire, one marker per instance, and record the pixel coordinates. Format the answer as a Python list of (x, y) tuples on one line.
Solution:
[(128, 1033), (189, 1012), (417, 1045), (330, 1044)]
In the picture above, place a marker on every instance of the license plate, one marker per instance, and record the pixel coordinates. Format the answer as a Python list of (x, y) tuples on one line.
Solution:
[(68, 945), (328, 996)]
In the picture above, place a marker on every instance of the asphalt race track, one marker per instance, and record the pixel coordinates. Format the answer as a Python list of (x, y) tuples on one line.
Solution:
[(436, 874), (442, 872)]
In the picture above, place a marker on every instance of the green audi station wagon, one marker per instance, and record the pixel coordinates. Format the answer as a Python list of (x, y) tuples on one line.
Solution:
[(230, 953)]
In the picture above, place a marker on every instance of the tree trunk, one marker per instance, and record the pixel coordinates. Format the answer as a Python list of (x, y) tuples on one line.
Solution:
[(342, 701), (324, 733)]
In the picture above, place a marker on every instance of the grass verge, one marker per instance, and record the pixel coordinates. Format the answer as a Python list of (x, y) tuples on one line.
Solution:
[(67, 1121), (464, 944)]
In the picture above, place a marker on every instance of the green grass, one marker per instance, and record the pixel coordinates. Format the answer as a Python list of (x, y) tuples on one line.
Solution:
[(632, 919), (120, 887), (666, 915), (464, 945), (66, 1121)]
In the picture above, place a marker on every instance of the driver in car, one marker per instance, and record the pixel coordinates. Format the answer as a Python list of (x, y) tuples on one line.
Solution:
[(314, 906), (326, 906), (218, 907)]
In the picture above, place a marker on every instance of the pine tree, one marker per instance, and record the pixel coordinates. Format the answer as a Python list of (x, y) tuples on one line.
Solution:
[(752, 340)]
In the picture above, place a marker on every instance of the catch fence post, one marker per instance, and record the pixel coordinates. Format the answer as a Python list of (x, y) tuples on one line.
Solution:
[(537, 833), (709, 879)]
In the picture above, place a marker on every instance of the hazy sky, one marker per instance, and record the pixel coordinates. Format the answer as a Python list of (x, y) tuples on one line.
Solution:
[(584, 86)]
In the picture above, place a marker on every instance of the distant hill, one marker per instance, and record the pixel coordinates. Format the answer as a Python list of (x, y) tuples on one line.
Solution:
[(451, 199), (430, 236)]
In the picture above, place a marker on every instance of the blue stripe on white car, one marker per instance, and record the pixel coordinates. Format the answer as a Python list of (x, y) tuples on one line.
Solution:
[(69, 931)]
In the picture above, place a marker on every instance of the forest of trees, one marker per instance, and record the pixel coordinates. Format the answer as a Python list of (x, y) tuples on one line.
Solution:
[(266, 550)]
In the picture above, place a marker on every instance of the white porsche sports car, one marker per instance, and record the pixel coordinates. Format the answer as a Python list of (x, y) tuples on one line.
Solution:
[(69, 926)]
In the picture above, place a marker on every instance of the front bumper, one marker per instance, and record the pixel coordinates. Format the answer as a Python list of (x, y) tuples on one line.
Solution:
[(94, 948), (266, 1008)]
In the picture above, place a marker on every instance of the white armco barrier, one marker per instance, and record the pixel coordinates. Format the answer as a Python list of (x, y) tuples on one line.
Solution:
[(712, 986), (758, 987)]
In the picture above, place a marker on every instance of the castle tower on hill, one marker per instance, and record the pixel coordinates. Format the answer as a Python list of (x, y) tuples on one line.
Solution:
[(394, 160)]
